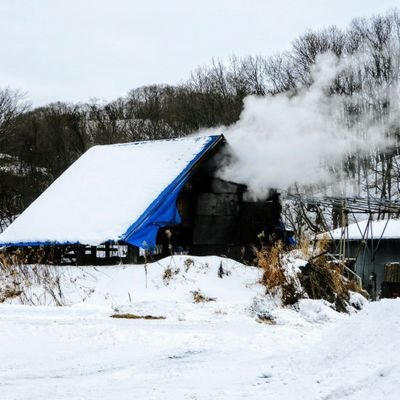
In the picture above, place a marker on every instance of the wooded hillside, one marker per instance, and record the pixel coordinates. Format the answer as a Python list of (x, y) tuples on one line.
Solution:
[(38, 144)]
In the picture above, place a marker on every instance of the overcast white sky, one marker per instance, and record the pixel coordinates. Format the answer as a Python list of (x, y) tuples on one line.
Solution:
[(74, 50)]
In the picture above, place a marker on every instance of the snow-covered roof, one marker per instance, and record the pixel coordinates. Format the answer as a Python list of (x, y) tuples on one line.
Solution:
[(377, 229), (114, 192)]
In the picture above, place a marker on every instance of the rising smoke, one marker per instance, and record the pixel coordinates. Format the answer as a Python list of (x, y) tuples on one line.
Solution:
[(303, 138)]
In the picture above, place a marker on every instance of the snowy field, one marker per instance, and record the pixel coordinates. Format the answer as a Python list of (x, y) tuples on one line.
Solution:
[(213, 350)]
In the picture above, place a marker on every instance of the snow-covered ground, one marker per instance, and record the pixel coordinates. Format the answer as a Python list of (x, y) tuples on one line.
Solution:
[(212, 350)]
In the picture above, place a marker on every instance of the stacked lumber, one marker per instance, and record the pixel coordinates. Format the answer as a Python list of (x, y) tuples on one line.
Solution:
[(392, 272)]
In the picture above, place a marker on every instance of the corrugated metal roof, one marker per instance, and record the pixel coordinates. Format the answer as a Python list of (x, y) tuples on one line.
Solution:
[(382, 229)]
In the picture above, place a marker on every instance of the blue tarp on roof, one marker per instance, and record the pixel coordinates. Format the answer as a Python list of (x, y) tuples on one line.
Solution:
[(163, 211)]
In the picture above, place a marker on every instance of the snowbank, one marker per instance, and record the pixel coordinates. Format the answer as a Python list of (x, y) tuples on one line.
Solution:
[(209, 350), (177, 288)]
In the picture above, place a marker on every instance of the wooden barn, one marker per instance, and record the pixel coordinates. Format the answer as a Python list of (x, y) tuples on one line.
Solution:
[(120, 203)]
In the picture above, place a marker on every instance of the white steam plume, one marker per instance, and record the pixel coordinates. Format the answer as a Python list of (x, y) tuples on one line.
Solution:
[(288, 139)]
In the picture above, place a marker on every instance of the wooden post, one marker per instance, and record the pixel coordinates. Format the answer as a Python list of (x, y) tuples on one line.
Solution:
[(93, 254), (80, 254), (132, 256), (107, 250)]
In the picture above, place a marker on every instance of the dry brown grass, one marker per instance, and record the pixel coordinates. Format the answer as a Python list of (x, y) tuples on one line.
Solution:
[(323, 244), (269, 260), (274, 277), (324, 279), (188, 263), (354, 286), (321, 278), (305, 246), (134, 316), (9, 292), (199, 297), (265, 319), (169, 273), (17, 277), (335, 272)]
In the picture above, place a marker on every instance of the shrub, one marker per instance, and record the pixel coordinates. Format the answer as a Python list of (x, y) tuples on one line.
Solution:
[(275, 277), (321, 278)]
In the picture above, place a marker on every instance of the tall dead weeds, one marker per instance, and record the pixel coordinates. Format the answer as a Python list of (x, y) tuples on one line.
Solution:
[(18, 280), (321, 278), (275, 278)]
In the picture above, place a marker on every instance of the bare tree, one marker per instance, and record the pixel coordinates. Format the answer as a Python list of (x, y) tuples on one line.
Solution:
[(12, 105)]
